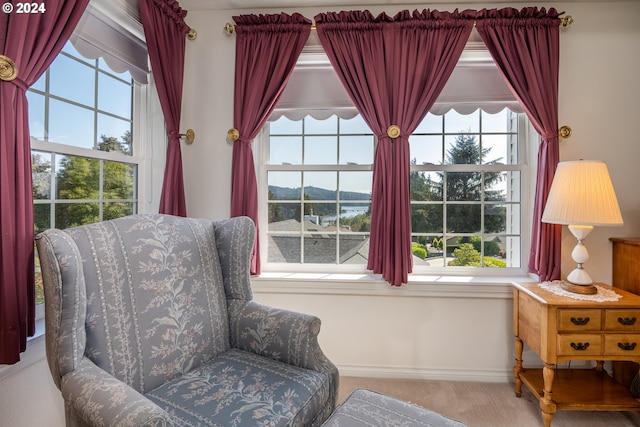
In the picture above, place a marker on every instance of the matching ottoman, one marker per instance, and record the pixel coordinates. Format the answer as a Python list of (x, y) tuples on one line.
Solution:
[(368, 408)]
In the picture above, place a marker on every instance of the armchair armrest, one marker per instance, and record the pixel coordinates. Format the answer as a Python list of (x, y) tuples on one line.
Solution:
[(99, 399), (282, 335)]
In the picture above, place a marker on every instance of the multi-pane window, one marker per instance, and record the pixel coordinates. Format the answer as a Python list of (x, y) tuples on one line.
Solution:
[(465, 185), (81, 123), (466, 190), (84, 164), (319, 191)]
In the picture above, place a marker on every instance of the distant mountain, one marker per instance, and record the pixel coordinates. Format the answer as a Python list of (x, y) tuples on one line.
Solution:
[(315, 193)]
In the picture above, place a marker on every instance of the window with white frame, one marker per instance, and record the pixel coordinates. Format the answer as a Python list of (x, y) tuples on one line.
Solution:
[(466, 190), (465, 186), (318, 176), (468, 176), (83, 156), (85, 161)]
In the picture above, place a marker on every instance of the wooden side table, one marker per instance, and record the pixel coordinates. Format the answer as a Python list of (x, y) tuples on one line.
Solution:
[(560, 329)]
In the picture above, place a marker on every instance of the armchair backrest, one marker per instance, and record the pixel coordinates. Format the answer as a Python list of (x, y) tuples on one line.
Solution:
[(141, 296)]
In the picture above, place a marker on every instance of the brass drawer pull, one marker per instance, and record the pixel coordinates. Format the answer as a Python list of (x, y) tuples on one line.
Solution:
[(580, 346), (580, 321), (627, 321), (627, 346)]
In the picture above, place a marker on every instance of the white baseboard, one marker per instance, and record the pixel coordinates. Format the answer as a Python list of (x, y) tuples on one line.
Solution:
[(476, 375)]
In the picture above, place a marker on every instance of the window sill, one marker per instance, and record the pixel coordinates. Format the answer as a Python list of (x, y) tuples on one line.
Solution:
[(440, 286)]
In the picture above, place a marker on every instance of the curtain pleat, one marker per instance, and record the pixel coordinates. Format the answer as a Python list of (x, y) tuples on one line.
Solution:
[(393, 68), (525, 45), (165, 32), (267, 48), (31, 42)]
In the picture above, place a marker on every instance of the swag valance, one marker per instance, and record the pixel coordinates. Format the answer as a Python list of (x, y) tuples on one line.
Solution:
[(393, 69)]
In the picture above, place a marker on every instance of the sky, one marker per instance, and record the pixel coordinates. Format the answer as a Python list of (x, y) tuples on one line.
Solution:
[(73, 123), (358, 148)]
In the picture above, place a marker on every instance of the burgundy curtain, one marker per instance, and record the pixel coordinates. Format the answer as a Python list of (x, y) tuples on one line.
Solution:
[(525, 44), (31, 42), (267, 48), (393, 69), (165, 31)]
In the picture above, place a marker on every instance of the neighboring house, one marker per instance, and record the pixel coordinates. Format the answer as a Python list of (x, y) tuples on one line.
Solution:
[(321, 245)]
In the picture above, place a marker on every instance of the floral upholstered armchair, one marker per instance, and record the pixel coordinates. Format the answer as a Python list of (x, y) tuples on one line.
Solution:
[(150, 321)]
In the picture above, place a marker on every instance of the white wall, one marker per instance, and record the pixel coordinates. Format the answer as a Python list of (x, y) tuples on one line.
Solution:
[(370, 329), (28, 396)]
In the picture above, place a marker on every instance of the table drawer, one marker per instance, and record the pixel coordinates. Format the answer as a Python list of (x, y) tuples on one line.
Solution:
[(579, 320), (622, 345), (580, 345), (622, 320)]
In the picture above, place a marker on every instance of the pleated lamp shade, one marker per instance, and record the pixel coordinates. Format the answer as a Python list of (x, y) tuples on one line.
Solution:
[(582, 194)]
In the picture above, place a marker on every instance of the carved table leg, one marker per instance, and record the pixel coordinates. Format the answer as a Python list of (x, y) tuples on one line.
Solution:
[(547, 404), (517, 368)]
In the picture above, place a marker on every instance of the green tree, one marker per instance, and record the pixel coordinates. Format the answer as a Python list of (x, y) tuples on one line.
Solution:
[(490, 248), (470, 186), (465, 255), (460, 186), (78, 178), (358, 223), (425, 218), (110, 143)]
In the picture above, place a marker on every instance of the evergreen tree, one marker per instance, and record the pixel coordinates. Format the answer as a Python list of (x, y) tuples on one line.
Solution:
[(425, 218), (469, 186)]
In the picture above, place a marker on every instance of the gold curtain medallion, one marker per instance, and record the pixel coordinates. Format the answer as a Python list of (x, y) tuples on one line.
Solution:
[(393, 131), (233, 134), (8, 69)]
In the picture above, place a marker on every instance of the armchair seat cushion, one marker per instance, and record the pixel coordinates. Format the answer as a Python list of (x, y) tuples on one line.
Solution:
[(238, 388)]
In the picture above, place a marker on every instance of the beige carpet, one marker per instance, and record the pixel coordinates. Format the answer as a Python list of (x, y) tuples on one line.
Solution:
[(483, 404)]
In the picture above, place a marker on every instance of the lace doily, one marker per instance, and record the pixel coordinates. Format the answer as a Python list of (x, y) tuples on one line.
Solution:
[(602, 295)]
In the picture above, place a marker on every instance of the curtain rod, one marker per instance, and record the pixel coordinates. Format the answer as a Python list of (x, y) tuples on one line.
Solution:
[(230, 28)]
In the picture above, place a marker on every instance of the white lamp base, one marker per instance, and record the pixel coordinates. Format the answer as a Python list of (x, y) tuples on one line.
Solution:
[(579, 280)]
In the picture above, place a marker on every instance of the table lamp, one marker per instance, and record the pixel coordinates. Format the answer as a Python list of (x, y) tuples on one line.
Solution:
[(581, 197)]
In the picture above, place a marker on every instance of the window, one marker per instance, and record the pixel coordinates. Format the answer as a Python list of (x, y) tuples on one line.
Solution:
[(84, 157), (465, 184), (81, 122), (468, 177), (466, 190), (319, 191)]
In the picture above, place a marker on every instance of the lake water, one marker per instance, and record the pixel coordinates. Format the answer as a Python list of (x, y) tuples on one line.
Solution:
[(348, 211)]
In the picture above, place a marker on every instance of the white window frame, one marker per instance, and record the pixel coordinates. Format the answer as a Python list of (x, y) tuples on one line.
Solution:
[(261, 158), (139, 103), (520, 165)]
